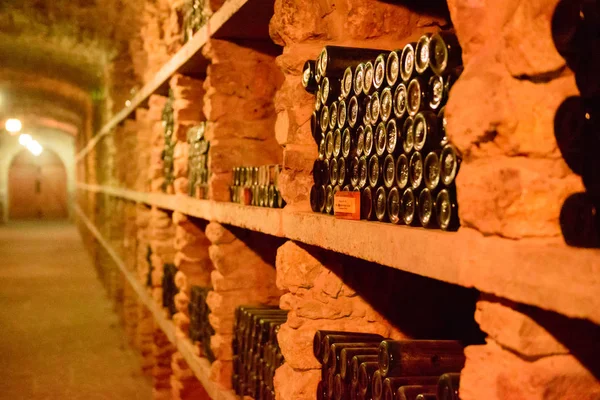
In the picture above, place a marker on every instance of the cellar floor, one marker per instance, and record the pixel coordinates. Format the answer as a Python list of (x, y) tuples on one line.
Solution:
[(59, 336)]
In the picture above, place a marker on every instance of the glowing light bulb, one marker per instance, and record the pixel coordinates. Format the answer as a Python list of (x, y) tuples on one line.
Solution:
[(13, 125), (25, 139), (35, 148)]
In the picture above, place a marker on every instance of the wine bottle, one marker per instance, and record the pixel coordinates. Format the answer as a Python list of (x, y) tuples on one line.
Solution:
[(360, 141), (366, 106), (425, 131), (359, 79), (368, 87), (354, 172), (408, 206), (347, 83), (375, 108), (365, 377), (381, 203), (374, 171), (420, 357), (333, 114), (379, 76), (400, 101), (445, 53), (447, 387), (392, 136), (422, 54), (447, 210), (363, 169), (337, 142), (309, 81), (432, 170), (369, 141), (341, 168), (356, 363), (339, 388), (347, 145), (394, 205), (438, 92), (449, 164), (329, 199), (330, 90), (407, 62), (342, 114), (324, 118), (380, 139), (389, 171), (353, 111), (366, 204), (392, 384), (416, 96), (387, 104), (402, 171), (427, 214), (329, 145), (348, 354), (426, 396), (580, 221), (392, 68), (410, 392), (322, 149), (416, 170), (408, 132)]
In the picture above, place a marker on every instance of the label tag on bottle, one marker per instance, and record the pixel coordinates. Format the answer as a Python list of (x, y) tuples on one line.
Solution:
[(346, 205)]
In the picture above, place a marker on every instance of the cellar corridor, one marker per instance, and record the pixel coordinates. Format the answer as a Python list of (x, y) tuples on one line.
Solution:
[(60, 336)]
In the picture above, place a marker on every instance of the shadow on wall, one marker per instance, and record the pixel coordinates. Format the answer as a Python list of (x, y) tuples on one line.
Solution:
[(576, 34), (421, 308), (435, 8)]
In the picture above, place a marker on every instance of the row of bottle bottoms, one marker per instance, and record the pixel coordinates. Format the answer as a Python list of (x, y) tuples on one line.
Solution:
[(256, 352), (345, 72), (257, 186), (198, 171), (200, 329), (368, 366)]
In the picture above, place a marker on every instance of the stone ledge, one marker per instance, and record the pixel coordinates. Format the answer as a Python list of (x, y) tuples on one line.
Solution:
[(543, 273)]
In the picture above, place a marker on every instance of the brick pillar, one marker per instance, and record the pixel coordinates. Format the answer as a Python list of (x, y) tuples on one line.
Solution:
[(244, 274), (187, 109), (240, 85), (157, 142)]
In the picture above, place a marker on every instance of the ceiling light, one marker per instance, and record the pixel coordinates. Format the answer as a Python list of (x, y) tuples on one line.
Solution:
[(13, 125), (35, 148), (25, 139)]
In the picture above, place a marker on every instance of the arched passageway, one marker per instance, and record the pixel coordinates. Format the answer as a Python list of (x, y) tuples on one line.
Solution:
[(37, 186)]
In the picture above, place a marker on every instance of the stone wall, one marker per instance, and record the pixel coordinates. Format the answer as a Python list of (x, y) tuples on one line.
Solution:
[(244, 274), (513, 179), (240, 84)]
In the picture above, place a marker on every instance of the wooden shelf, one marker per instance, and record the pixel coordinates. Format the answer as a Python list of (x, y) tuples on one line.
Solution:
[(199, 365), (236, 20), (543, 273)]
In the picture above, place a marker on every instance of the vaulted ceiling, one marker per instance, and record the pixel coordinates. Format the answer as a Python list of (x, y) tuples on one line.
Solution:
[(54, 54)]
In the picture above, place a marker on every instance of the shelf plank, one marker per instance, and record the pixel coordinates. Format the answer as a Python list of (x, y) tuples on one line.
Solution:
[(200, 366), (234, 20), (543, 273)]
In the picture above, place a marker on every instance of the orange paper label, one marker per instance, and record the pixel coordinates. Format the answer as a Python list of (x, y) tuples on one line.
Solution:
[(346, 205)]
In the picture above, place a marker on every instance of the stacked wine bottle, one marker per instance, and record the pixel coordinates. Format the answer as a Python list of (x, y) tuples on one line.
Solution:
[(194, 18), (256, 353), (380, 128), (198, 173), (257, 186), (367, 366), (169, 289), (168, 122), (200, 328)]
